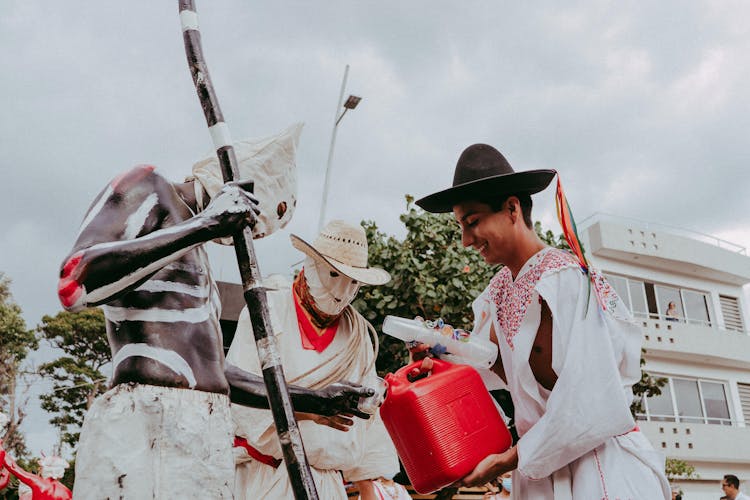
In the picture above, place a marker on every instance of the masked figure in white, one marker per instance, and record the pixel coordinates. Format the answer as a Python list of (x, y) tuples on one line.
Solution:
[(320, 338)]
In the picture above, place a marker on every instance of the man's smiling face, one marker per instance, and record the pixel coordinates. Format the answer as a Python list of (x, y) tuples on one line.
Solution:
[(490, 233)]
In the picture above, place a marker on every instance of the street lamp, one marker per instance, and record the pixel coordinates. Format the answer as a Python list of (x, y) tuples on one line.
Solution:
[(350, 103)]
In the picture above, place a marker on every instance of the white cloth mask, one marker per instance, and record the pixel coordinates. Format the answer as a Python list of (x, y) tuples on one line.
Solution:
[(331, 290)]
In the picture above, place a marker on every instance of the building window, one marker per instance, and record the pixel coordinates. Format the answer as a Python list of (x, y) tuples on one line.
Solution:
[(669, 303), (620, 285), (715, 401), (730, 309), (637, 298), (697, 307), (744, 390), (664, 302), (689, 401)]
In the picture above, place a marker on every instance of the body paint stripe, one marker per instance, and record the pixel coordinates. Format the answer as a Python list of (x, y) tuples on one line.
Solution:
[(157, 286), (220, 135), (189, 20), (95, 210), (167, 357), (137, 219), (194, 315), (105, 291)]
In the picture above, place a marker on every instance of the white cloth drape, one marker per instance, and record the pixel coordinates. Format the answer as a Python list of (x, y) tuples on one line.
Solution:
[(365, 451), (576, 441)]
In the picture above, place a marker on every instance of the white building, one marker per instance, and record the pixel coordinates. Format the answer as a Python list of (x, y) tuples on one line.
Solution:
[(703, 349)]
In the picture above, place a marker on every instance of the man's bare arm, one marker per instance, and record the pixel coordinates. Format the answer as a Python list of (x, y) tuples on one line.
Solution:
[(106, 262)]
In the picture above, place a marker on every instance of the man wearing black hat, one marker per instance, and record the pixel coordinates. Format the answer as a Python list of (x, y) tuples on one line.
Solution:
[(569, 350)]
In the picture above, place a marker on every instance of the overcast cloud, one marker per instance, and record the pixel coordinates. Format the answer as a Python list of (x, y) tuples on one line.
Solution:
[(642, 106)]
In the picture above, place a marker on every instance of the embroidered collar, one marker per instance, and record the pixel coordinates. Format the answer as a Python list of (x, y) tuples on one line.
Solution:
[(512, 298), (533, 261), (313, 337)]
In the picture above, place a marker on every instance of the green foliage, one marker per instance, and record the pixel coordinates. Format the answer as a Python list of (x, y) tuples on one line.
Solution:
[(432, 276), (16, 341), (77, 377), (679, 469), (549, 238), (646, 387)]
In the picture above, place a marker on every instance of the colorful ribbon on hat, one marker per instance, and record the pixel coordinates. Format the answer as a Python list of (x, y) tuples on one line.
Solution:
[(570, 232)]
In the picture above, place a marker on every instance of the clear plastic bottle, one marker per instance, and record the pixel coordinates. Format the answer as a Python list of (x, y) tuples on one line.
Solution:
[(452, 344)]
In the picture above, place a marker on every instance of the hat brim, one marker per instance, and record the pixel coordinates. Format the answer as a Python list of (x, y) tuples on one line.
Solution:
[(366, 275), (530, 182)]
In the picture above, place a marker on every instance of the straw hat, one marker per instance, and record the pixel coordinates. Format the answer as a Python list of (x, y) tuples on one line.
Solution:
[(482, 172), (343, 247)]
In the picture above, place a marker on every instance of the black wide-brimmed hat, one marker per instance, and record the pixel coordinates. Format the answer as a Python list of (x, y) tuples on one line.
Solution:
[(483, 173)]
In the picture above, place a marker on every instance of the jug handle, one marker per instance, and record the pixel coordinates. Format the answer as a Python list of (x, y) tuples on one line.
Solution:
[(402, 375)]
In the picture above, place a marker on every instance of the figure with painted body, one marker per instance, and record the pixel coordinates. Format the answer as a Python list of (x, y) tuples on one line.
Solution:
[(164, 428), (321, 338)]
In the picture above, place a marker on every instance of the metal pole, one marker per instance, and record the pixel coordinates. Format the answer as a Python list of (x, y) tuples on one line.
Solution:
[(336, 119), (255, 294)]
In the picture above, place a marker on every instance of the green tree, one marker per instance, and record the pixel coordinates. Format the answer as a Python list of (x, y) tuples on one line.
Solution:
[(77, 376), (16, 341), (646, 387), (679, 469)]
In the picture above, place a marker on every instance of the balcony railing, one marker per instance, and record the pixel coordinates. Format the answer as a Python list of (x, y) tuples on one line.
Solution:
[(687, 420), (687, 321), (652, 226)]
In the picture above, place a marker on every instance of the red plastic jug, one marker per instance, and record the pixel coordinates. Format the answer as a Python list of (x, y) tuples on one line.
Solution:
[(443, 425)]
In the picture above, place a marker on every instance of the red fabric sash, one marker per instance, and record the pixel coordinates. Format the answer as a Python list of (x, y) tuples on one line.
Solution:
[(240, 442), (311, 339)]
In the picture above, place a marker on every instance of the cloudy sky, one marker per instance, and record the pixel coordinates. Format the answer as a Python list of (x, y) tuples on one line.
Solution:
[(642, 106)]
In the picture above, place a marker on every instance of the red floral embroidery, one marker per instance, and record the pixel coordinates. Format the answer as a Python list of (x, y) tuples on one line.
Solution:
[(607, 296), (512, 299)]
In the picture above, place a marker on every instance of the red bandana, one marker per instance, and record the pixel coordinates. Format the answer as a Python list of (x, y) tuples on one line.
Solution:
[(312, 336)]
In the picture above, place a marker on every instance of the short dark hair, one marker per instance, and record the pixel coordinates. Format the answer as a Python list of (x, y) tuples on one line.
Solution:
[(496, 204), (732, 480)]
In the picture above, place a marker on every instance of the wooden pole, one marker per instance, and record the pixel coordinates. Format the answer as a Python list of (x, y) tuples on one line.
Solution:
[(255, 294)]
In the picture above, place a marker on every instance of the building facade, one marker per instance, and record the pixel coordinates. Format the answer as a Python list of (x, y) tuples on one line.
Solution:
[(689, 293)]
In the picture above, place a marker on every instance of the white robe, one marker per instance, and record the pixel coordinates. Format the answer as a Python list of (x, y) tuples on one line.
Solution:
[(576, 441), (365, 451)]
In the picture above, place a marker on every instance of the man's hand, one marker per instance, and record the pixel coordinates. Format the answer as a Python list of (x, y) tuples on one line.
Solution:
[(489, 469), (341, 398), (340, 422), (416, 352), (232, 209)]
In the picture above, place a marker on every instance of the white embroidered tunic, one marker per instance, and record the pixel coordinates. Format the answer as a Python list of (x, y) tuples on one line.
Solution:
[(578, 440)]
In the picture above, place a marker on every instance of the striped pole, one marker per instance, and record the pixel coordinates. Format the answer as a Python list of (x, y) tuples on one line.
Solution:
[(255, 295)]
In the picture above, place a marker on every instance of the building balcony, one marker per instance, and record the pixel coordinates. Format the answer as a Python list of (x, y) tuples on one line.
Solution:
[(695, 342), (698, 442), (668, 249)]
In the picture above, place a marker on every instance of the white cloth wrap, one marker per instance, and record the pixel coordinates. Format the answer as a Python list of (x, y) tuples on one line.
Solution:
[(270, 162), (365, 451), (142, 441), (575, 440)]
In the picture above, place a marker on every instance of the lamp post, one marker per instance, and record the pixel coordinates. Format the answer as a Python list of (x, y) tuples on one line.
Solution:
[(350, 103)]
